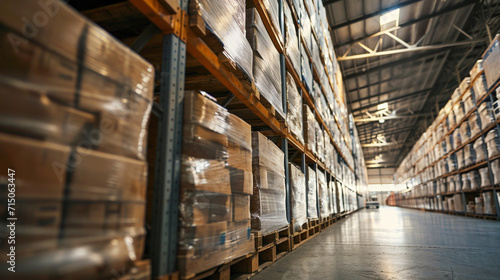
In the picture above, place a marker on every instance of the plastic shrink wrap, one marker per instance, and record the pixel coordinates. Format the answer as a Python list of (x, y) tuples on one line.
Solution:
[(479, 208), (465, 131), (474, 123), (268, 206), (305, 68), (266, 61), (492, 140), (226, 19), (310, 129), (469, 155), (480, 150), (495, 169), (489, 203), (216, 184), (76, 103), (323, 195), (468, 101), (320, 142), (475, 180), (458, 203), (486, 115), (292, 39), (294, 114), (485, 177), (490, 62), (466, 182), (312, 194), (451, 184), (333, 200), (298, 198)]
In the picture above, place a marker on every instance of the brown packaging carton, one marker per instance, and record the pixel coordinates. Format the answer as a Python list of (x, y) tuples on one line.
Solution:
[(241, 181), (239, 132), (239, 157), (43, 176), (204, 175), (102, 176), (199, 109), (199, 208), (240, 207)]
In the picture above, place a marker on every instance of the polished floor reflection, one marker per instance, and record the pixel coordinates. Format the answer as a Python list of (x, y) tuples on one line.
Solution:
[(396, 243)]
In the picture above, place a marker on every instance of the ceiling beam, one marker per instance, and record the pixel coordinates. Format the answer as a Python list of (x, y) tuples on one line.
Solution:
[(379, 12), (398, 62), (410, 22), (411, 94), (376, 119), (409, 49)]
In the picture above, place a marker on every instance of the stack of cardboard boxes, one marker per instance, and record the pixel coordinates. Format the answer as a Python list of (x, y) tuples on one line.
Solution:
[(216, 185), (266, 61), (226, 20), (268, 205), (312, 190), (294, 114), (309, 129), (76, 105), (298, 196)]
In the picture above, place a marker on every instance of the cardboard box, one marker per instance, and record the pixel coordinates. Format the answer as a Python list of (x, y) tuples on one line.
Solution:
[(203, 237), (198, 208), (266, 154), (204, 175), (239, 132), (239, 157), (64, 33), (31, 113), (241, 181), (40, 167), (102, 176), (199, 133), (91, 87), (200, 109), (240, 207)]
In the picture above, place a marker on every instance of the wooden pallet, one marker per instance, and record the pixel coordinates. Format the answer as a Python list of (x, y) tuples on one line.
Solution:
[(314, 227), (299, 237), (272, 246)]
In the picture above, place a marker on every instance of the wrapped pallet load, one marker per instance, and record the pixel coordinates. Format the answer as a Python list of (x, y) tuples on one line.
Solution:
[(312, 194), (291, 39), (294, 114), (493, 143), (266, 64), (309, 129), (76, 104), (226, 20), (298, 203), (268, 208), (490, 62), (216, 184), (323, 195)]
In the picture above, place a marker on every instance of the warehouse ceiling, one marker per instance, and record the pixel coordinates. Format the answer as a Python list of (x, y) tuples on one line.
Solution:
[(401, 66)]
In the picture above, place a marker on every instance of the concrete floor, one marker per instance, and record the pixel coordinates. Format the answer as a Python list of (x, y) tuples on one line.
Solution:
[(396, 243)]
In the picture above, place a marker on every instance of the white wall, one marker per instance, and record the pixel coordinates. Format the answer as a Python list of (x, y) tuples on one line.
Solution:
[(380, 176)]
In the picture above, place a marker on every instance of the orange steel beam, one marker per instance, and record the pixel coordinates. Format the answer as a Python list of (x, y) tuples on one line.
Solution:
[(167, 21)]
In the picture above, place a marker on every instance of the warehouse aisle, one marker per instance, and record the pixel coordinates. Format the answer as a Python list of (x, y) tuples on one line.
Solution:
[(396, 243)]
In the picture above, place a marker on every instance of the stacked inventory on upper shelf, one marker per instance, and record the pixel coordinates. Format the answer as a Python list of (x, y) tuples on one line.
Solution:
[(454, 166)]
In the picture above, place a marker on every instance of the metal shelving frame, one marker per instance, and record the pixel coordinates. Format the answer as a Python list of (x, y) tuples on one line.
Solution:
[(170, 17)]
